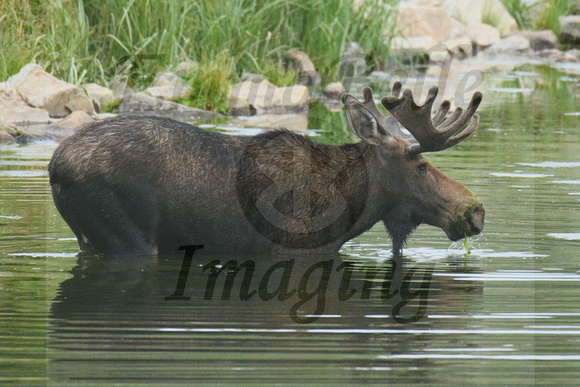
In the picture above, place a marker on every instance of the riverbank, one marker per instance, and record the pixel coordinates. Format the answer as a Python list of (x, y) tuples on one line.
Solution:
[(260, 64)]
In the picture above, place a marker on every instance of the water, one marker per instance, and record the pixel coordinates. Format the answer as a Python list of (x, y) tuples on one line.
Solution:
[(508, 313)]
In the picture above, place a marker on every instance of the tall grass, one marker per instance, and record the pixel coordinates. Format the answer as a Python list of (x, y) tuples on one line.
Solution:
[(548, 19), (104, 40), (520, 11)]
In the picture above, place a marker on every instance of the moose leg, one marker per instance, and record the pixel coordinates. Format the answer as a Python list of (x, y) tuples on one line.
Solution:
[(106, 222)]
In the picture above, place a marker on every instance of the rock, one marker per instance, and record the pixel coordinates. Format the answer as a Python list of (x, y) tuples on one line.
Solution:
[(15, 111), (483, 35), (68, 126), (515, 45), (147, 105), (334, 90), (415, 45), (296, 122), (459, 48), (186, 69), (259, 97), (9, 128), (541, 40), (6, 138), (103, 116), (251, 77), (353, 61), (122, 90), (168, 86), (100, 95), (410, 50), (476, 11), (381, 80), (308, 74), (570, 29), (573, 53), (458, 30), (556, 56), (424, 21), (42, 90)]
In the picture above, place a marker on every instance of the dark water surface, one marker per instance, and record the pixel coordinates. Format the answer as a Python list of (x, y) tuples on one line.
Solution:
[(507, 313)]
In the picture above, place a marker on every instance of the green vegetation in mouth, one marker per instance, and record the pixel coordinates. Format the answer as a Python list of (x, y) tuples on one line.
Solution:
[(466, 245)]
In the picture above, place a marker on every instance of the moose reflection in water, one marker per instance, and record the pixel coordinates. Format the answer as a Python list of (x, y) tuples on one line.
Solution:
[(266, 290), (135, 185), (114, 307)]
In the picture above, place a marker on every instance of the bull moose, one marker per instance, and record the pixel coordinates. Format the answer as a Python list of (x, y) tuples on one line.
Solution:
[(146, 185)]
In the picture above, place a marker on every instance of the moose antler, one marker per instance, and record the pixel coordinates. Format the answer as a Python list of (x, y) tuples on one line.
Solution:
[(437, 133), (385, 121)]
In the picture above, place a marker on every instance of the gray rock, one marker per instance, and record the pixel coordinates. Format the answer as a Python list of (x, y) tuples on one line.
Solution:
[(15, 111), (8, 128), (334, 90), (296, 122), (168, 86), (424, 20), (42, 90), (186, 69), (100, 95), (557, 56), (6, 138), (103, 116), (308, 74), (251, 77), (250, 97), (573, 53), (515, 45), (541, 40), (68, 126), (570, 29), (353, 61), (459, 48), (147, 105), (122, 90), (483, 35)]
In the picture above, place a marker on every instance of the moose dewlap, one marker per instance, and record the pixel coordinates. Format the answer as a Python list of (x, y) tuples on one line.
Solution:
[(145, 185)]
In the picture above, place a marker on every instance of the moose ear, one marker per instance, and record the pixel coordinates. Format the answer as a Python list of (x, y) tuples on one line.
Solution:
[(365, 125)]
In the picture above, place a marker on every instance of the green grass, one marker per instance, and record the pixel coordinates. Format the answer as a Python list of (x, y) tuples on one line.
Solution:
[(490, 16), (104, 41), (548, 19), (520, 11)]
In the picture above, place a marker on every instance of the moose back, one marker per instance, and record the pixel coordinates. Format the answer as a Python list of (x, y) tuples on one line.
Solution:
[(146, 185)]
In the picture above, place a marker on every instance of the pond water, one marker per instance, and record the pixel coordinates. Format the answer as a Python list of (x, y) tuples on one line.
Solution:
[(506, 313)]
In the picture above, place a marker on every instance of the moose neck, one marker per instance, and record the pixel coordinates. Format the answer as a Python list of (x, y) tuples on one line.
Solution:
[(365, 184)]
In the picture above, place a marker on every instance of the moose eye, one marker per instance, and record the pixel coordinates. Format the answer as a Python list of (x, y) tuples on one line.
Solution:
[(422, 169)]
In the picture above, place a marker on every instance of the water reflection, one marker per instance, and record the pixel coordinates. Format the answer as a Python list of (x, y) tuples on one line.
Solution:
[(267, 290), (231, 306)]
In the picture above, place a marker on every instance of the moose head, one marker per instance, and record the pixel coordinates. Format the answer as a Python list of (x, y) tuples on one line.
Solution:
[(415, 190)]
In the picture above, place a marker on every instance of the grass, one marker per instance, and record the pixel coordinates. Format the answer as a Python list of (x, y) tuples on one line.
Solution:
[(520, 11), (104, 41), (548, 19), (490, 15)]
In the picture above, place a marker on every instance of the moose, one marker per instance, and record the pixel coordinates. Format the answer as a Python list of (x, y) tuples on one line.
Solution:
[(148, 185)]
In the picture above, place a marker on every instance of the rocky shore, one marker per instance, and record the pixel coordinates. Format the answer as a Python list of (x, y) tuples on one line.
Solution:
[(35, 104)]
